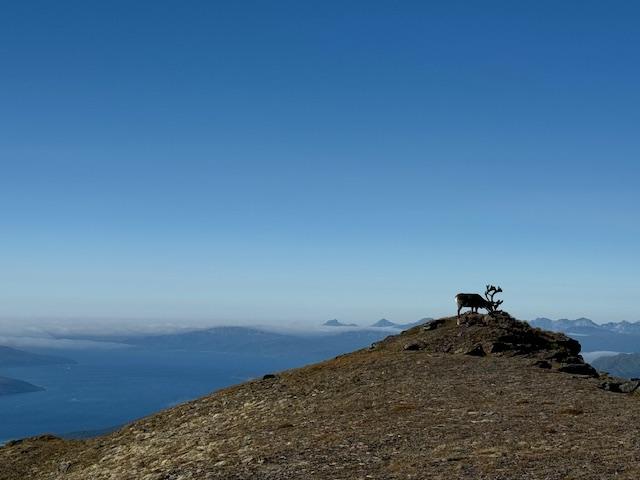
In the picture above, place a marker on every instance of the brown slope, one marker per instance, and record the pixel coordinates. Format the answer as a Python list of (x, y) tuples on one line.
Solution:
[(381, 413)]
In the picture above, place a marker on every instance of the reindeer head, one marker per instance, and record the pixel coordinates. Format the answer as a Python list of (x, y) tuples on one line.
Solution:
[(489, 293)]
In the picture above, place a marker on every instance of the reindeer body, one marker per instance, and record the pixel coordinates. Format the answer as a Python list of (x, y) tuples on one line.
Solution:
[(472, 301), (475, 301)]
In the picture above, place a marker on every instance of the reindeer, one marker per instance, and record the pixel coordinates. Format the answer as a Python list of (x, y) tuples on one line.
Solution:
[(475, 301)]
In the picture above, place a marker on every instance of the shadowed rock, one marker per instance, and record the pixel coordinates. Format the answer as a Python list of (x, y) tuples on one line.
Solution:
[(579, 369)]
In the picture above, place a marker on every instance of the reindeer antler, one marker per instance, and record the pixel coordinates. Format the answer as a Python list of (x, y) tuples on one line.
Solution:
[(491, 291), (489, 294)]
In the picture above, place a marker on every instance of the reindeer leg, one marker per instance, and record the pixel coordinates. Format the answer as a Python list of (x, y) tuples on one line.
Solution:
[(459, 308)]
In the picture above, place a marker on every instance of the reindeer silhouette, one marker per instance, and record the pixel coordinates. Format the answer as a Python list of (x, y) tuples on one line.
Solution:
[(475, 301)]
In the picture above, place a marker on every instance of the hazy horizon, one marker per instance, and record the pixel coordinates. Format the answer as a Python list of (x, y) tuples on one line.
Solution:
[(12, 327)]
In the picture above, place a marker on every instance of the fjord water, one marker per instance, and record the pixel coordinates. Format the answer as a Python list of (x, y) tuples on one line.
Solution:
[(107, 388)]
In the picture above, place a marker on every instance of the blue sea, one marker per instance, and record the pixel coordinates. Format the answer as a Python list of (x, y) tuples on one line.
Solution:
[(106, 389)]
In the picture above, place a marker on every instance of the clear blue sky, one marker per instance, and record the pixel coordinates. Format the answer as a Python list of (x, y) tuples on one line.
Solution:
[(304, 160)]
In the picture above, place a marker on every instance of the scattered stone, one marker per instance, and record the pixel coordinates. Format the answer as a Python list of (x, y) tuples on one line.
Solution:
[(39, 438), (576, 359), (579, 369), (608, 386), (433, 324), (629, 387), (476, 351), (413, 346), (469, 319), (620, 387), (268, 376), (499, 347), (542, 364)]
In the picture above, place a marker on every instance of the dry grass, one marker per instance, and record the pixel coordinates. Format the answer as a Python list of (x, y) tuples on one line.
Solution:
[(381, 414)]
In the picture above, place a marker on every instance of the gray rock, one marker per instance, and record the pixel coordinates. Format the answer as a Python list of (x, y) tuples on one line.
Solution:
[(499, 347), (476, 351), (433, 324), (579, 369), (412, 346), (630, 386), (542, 364), (610, 386), (621, 387)]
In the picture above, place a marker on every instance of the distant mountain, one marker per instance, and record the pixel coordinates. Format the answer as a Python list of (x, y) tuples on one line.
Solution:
[(585, 323), (621, 365), (384, 323), (12, 357), (623, 327), (564, 324), (11, 386), (311, 346), (338, 323), (613, 336), (221, 339)]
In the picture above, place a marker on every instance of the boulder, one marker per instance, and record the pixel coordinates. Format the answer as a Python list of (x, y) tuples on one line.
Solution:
[(620, 387), (579, 369), (630, 386), (577, 359)]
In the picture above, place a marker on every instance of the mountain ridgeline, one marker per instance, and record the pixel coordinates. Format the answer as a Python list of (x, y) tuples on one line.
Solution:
[(491, 398), (612, 336), (625, 365)]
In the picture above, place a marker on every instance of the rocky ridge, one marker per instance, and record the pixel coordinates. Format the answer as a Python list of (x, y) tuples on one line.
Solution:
[(492, 398)]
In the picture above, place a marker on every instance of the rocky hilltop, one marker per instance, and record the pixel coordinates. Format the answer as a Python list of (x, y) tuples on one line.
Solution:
[(491, 399)]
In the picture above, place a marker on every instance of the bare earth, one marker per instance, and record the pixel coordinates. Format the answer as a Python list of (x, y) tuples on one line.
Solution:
[(413, 406)]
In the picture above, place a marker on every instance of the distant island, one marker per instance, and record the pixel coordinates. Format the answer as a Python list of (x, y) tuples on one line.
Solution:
[(10, 386), (384, 323), (12, 357), (338, 323)]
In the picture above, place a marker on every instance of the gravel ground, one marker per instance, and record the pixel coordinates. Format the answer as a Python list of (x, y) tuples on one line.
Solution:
[(390, 412)]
